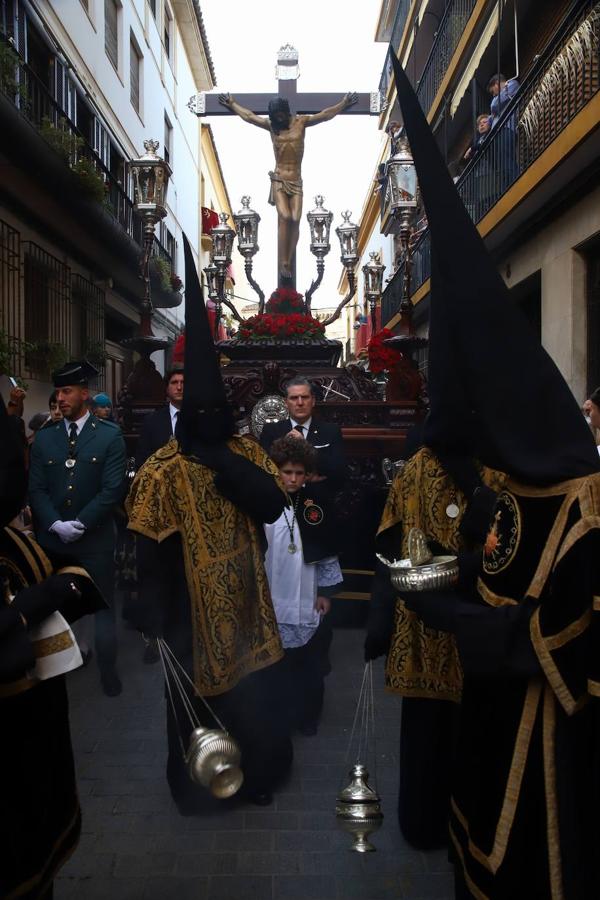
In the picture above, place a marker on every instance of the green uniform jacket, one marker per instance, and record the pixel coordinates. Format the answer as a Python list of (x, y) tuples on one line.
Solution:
[(89, 491)]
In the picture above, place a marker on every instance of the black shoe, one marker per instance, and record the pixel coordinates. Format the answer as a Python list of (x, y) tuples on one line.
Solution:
[(260, 798), (111, 683), (151, 654)]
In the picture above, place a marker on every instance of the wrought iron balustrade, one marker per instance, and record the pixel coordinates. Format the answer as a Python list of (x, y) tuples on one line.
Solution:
[(20, 84), (397, 29), (563, 80), (448, 35)]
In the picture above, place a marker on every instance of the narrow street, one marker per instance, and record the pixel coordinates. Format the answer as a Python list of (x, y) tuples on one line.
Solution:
[(135, 845)]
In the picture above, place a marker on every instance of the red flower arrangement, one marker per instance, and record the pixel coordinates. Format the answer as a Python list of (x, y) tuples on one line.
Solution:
[(382, 358), (176, 282), (285, 301), (294, 325)]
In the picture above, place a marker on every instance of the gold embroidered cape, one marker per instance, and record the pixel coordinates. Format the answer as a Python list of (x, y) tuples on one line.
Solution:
[(423, 662), (233, 623)]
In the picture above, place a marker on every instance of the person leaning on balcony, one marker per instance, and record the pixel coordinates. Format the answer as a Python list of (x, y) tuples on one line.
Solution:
[(484, 125), (502, 90), (504, 154)]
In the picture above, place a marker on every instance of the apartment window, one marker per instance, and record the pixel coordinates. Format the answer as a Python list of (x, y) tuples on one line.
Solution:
[(168, 147), (111, 31), (152, 5), (135, 66), (170, 247), (168, 34)]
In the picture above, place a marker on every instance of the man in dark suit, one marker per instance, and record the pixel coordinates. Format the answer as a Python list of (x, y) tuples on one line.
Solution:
[(76, 479), (325, 437), (159, 428)]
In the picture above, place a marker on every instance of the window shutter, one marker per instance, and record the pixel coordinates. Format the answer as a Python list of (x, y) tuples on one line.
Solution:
[(134, 76), (111, 35)]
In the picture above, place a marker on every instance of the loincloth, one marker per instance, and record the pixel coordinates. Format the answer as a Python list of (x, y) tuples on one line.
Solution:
[(291, 188)]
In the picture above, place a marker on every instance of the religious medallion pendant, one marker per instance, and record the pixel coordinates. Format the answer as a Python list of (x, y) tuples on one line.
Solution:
[(292, 548)]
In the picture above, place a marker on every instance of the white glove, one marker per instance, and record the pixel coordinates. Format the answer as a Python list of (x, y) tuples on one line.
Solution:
[(68, 531)]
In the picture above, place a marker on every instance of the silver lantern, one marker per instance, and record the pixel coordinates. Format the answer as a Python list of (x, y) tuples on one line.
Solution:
[(246, 225)]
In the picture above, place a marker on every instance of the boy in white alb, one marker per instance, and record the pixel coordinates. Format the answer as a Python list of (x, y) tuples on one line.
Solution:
[(303, 571)]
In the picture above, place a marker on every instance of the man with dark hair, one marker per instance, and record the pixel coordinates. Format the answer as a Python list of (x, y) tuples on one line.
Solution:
[(53, 407), (76, 480), (303, 571), (325, 437), (159, 428)]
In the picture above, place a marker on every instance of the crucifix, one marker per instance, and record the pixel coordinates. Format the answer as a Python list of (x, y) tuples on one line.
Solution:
[(288, 114)]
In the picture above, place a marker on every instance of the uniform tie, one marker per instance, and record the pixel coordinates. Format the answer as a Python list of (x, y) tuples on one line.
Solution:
[(299, 428), (72, 433)]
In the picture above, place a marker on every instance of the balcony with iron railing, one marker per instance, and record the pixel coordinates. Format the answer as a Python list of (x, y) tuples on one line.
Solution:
[(563, 80), (397, 30), (446, 39), (35, 103)]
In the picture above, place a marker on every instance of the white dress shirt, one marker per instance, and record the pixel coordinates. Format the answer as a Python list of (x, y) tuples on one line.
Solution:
[(174, 412), (79, 422), (304, 425)]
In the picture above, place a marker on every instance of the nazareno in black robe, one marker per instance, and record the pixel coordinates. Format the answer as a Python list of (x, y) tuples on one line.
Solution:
[(524, 809), (40, 818)]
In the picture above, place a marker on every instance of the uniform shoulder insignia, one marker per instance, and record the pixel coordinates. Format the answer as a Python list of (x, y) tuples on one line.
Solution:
[(107, 423), (168, 450)]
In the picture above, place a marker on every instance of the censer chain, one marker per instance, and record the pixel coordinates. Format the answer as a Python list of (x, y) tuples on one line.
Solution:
[(365, 712), (174, 664)]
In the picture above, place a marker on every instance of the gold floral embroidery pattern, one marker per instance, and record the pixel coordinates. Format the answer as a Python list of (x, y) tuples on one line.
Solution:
[(234, 627), (423, 662)]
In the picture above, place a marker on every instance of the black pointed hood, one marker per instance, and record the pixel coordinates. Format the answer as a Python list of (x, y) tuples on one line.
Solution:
[(13, 476), (492, 386), (205, 415)]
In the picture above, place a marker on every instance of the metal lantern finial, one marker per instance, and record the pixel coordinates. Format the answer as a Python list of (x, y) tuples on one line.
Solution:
[(222, 236), (246, 225), (319, 221), (211, 272), (347, 233), (150, 181), (373, 274), (401, 177)]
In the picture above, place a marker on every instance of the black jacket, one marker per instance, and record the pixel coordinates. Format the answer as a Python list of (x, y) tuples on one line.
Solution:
[(325, 437), (156, 432), (317, 522)]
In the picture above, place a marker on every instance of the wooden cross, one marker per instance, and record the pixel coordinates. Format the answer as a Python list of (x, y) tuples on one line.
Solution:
[(204, 104)]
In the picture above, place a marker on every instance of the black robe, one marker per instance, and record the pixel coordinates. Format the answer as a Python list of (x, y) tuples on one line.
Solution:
[(40, 819), (172, 602), (524, 809)]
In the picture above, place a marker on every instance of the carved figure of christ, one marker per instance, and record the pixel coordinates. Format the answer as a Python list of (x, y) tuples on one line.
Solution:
[(287, 136)]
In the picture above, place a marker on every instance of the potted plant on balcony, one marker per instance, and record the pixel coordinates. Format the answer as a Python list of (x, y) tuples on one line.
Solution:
[(11, 350), (61, 138), (46, 356), (165, 282), (10, 83), (90, 180)]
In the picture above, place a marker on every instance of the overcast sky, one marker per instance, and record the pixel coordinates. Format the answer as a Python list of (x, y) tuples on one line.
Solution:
[(337, 54)]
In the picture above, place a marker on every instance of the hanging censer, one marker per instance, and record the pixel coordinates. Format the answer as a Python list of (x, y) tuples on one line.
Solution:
[(358, 806), (212, 757)]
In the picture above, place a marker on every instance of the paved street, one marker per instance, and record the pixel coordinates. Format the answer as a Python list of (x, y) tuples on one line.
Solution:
[(135, 845)]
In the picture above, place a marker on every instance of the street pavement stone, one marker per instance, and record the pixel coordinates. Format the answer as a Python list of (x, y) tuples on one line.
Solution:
[(136, 846)]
